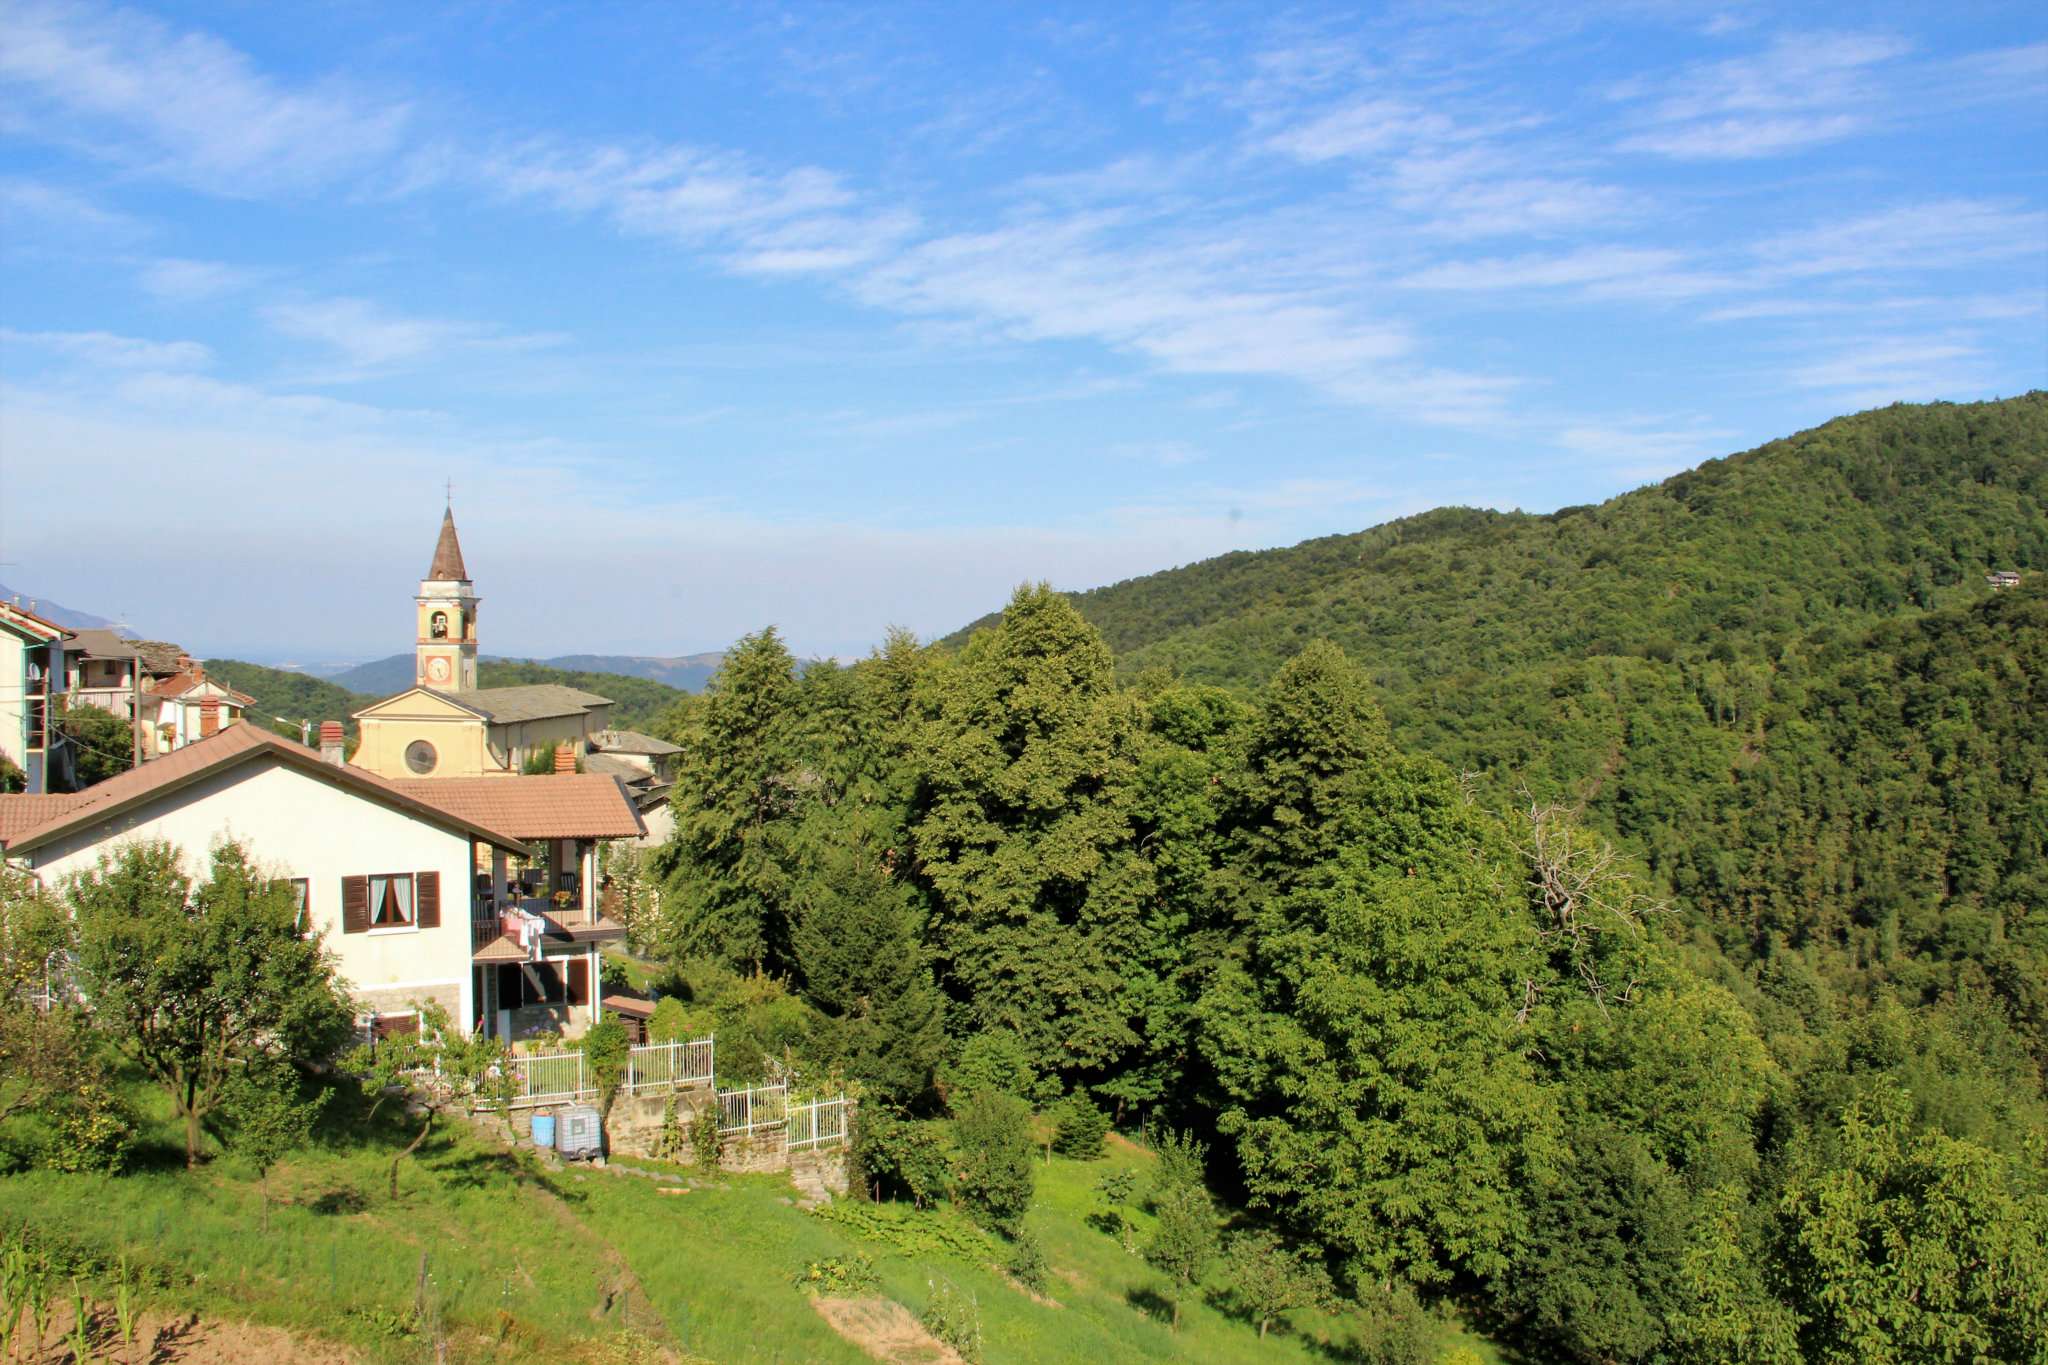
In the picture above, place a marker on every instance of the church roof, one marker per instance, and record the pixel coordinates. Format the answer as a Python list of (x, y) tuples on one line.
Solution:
[(447, 564), (535, 701)]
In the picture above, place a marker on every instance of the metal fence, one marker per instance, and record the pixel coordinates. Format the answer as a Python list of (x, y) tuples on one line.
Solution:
[(560, 1077), (819, 1123), (743, 1111), (804, 1123)]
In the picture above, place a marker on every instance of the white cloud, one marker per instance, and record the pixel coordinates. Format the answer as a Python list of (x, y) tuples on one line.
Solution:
[(25, 200), (184, 104), (1801, 91), (1937, 235), (172, 280), (106, 350), (1896, 369), (368, 337), (1643, 449)]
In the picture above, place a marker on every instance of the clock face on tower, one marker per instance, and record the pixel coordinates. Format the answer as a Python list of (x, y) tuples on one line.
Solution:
[(437, 669)]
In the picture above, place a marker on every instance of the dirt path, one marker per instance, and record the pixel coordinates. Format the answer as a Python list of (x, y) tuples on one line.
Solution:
[(162, 1339), (885, 1330)]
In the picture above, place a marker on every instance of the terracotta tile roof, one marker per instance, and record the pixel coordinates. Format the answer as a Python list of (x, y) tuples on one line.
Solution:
[(630, 1004), (22, 621), (447, 563), (21, 813), (172, 688), (549, 806), (234, 745)]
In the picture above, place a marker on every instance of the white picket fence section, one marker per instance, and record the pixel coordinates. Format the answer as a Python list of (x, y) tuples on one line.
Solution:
[(819, 1123), (562, 1077), (743, 1111), (805, 1123)]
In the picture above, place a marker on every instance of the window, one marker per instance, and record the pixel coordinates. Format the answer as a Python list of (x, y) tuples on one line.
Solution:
[(391, 901), (420, 757), (439, 628)]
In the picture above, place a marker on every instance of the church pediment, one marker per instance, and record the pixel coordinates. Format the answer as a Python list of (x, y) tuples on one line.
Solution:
[(419, 703)]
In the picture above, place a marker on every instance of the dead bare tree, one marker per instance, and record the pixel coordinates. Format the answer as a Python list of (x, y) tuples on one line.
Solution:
[(1584, 894)]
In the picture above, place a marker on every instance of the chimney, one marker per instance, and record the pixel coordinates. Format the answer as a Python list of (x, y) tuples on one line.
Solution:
[(209, 716), (565, 758), (330, 742)]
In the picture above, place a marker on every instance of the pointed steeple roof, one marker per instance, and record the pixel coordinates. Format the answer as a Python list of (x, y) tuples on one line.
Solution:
[(448, 553)]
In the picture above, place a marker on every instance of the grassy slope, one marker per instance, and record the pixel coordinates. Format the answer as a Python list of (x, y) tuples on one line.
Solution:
[(525, 1263)]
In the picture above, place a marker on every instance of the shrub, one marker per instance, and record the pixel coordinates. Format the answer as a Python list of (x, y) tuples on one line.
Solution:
[(954, 1318), (1079, 1128), (1027, 1264), (901, 1157), (996, 1177), (993, 1060), (838, 1275)]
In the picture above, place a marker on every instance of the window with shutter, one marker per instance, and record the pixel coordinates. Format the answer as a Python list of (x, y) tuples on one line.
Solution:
[(579, 981), (355, 905), (427, 897)]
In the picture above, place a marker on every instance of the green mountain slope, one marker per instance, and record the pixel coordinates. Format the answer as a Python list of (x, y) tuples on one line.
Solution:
[(280, 692), (1870, 516), (638, 703)]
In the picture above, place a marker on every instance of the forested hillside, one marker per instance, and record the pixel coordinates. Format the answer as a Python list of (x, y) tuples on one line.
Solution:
[(1897, 509), (1453, 1049), (283, 697)]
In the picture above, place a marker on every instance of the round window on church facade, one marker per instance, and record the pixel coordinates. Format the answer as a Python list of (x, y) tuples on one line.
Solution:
[(420, 756)]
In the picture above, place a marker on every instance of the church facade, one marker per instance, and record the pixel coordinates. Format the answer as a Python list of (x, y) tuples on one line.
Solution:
[(444, 725)]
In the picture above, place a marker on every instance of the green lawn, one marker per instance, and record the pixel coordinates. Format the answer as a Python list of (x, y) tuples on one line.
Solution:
[(512, 1260)]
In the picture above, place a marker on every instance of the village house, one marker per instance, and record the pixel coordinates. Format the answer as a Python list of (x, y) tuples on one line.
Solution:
[(445, 726), (31, 698), (2003, 578), (410, 884), (189, 706)]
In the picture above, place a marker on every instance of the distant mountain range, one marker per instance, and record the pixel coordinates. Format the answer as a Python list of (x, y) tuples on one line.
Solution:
[(56, 611), (688, 672)]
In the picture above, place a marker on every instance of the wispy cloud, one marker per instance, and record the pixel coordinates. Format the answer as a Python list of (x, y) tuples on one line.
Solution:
[(23, 201), (109, 351), (173, 280), (1890, 370), (367, 337), (1800, 91), (1936, 235), (183, 104)]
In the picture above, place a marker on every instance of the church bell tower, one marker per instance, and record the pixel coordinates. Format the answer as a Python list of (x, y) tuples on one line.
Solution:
[(445, 657)]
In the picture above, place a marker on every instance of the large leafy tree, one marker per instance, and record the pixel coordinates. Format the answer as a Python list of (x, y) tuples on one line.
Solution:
[(1023, 836), (198, 982), (1373, 1073), (1916, 1247), (727, 870)]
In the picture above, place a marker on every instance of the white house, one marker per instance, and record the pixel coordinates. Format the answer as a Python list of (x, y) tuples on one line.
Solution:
[(389, 876)]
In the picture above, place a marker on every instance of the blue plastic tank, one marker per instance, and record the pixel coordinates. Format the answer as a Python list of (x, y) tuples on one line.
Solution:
[(543, 1130)]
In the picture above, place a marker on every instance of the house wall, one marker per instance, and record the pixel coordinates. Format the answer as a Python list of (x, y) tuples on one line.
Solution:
[(15, 656), (13, 702), (296, 825)]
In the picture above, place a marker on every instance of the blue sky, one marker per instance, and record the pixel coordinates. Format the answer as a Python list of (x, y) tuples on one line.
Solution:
[(837, 317)]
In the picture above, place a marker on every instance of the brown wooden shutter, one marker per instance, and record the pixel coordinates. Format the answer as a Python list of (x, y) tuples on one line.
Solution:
[(426, 899), (355, 905), (579, 981)]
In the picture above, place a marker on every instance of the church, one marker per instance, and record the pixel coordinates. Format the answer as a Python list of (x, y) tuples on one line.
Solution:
[(444, 725)]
